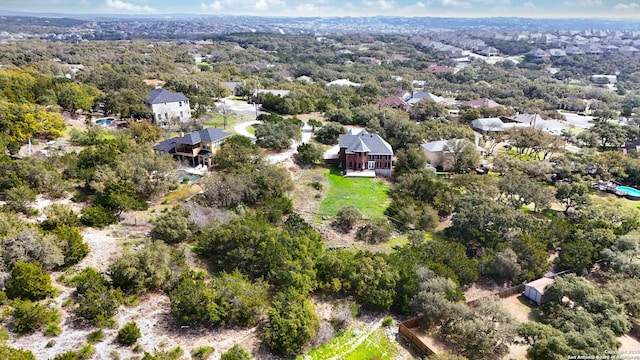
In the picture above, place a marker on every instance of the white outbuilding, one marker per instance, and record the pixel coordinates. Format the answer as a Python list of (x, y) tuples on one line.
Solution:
[(535, 289)]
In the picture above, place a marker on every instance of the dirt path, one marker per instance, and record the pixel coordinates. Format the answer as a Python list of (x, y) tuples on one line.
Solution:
[(361, 335)]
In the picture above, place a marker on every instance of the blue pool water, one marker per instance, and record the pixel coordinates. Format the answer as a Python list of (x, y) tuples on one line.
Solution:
[(104, 121), (629, 191), (183, 175)]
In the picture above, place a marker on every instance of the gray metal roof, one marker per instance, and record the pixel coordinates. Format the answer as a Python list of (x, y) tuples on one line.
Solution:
[(160, 95), (207, 135), (372, 143)]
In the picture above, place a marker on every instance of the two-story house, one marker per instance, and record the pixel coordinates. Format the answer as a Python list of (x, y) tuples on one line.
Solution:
[(168, 106), (360, 151), (196, 148)]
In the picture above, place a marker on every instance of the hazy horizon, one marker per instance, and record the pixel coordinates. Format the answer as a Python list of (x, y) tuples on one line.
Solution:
[(543, 9)]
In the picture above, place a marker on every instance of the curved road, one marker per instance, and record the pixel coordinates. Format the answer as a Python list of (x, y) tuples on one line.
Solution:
[(241, 129)]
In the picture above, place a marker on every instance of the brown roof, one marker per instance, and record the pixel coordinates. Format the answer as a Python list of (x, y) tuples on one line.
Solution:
[(439, 69), (476, 103), (395, 102)]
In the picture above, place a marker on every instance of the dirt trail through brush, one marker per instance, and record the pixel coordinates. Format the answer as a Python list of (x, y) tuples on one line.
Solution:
[(361, 336)]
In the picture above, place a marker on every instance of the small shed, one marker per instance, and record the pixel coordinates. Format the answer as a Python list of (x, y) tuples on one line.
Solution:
[(535, 289)]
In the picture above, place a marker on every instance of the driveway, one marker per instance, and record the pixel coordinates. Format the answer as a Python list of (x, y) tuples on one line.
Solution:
[(281, 156), (241, 107)]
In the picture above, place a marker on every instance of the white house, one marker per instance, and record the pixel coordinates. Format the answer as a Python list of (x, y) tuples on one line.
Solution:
[(535, 289), (168, 106), (441, 153)]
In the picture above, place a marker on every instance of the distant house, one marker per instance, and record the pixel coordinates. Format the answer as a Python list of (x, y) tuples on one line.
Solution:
[(437, 69), (539, 53), (535, 289), (495, 124), (440, 153), (168, 106), (489, 51), (629, 51), (479, 103), (279, 93), (418, 96), (305, 79), (361, 151), (633, 145), (232, 85), (557, 53), (395, 102), (342, 82), (197, 148), (604, 79)]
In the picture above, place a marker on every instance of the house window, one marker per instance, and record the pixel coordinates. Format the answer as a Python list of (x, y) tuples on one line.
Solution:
[(180, 103)]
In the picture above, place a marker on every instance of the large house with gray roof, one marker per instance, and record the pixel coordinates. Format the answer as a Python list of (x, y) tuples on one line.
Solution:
[(362, 151), (168, 107), (196, 148)]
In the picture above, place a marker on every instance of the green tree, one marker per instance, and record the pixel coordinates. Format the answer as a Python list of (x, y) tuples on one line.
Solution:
[(72, 96), (572, 195), (28, 281), (193, 302), (236, 353), (129, 334), (409, 159), (29, 317), (309, 153), (314, 124), (97, 301), (19, 198), (173, 227), (329, 133), (242, 301), (59, 215), (155, 266), (292, 323), (71, 243)]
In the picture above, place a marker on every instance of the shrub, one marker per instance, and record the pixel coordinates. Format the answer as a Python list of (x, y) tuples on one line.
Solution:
[(316, 185), (95, 336), (84, 353), (236, 353), (173, 227), (71, 243), (29, 316), (52, 329), (387, 321), (59, 215), (129, 334), (292, 323), (347, 217), (193, 301), (28, 281), (19, 197), (7, 352), (375, 233), (202, 352), (97, 302), (97, 216)]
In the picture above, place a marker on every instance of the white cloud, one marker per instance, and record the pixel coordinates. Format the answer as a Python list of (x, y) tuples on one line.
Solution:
[(306, 8), (582, 3), (127, 6), (380, 4), (420, 4), (629, 6), (529, 5), (238, 6), (452, 3)]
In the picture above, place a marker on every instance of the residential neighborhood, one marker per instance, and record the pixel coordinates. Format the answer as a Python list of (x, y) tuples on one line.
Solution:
[(211, 186)]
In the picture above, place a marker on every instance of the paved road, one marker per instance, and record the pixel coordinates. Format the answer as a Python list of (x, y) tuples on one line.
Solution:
[(282, 156)]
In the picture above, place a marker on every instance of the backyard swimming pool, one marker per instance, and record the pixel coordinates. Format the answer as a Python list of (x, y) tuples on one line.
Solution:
[(629, 191), (185, 176), (104, 121)]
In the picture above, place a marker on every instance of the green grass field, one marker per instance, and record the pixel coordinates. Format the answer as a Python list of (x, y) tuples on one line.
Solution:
[(376, 346), (217, 120), (369, 196)]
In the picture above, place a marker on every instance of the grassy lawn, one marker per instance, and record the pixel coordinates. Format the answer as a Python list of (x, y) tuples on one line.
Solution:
[(369, 196), (251, 130), (217, 120), (376, 346)]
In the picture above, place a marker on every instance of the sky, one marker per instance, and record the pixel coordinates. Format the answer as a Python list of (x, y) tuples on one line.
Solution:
[(629, 9)]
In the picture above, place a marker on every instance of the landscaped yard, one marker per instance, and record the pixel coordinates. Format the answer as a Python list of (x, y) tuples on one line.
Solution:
[(369, 196), (376, 345), (217, 120)]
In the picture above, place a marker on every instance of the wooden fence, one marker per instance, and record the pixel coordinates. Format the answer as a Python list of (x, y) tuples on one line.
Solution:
[(406, 332), (501, 294)]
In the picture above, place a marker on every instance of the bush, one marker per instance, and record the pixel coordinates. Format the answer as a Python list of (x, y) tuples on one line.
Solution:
[(155, 266), (97, 302), (202, 352), (71, 243), (59, 215), (52, 329), (329, 133), (309, 153), (82, 354), (7, 352), (97, 216), (292, 323), (129, 334), (173, 227), (347, 217), (95, 336), (387, 321), (28, 281), (193, 302), (236, 353), (29, 316), (375, 233), (19, 197)]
